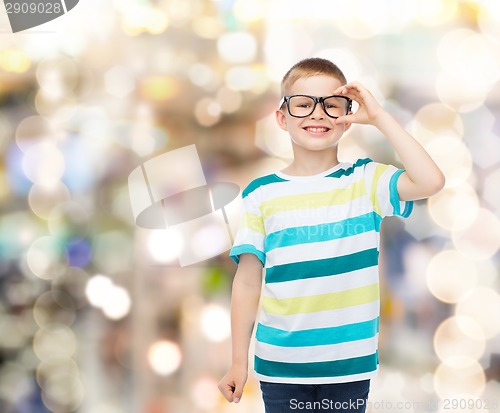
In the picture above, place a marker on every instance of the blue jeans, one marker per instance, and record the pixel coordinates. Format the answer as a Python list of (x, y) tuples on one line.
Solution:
[(301, 398)]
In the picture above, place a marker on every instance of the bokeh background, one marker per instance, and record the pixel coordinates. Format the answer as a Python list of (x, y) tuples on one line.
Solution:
[(95, 314)]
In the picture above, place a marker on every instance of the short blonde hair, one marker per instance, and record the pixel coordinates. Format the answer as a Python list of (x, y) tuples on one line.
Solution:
[(313, 66)]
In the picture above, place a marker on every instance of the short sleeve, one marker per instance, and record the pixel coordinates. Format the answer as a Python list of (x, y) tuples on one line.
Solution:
[(381, 184), (251, 233)]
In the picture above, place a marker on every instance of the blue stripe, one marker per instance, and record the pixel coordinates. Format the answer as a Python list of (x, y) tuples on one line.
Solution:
[(323, 267), (323, 232), (350, 170), (263, 180), (318, 336), (394, 197), (345, 367), (237, 250)]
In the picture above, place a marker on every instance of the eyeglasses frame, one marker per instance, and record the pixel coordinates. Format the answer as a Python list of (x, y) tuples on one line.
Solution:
[(286, 99)]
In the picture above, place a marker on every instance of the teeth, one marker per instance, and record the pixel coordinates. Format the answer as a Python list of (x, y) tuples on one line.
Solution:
[(317, 129)]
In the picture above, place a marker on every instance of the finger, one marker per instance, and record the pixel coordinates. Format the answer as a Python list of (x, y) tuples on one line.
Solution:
[(345, 119), (227, 391), (238, 392)]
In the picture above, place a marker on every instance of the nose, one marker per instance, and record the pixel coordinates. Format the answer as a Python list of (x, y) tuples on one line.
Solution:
[(317, 113)]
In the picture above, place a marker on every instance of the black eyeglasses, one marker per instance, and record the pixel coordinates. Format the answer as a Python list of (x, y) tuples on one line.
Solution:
[(301, 106)]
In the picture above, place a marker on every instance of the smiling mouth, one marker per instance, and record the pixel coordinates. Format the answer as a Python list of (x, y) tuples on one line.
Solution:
[(316, 129)]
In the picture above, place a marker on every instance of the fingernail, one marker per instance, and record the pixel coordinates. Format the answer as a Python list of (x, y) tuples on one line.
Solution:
[(236, 400)]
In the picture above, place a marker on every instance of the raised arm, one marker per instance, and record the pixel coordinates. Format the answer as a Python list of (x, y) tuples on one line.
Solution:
[(422, 177), (245, 297)]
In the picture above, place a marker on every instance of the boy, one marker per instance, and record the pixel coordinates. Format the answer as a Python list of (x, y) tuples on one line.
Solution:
[(315, 228)]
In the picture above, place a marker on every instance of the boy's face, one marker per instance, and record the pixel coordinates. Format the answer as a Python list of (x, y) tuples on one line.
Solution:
[(317, 131)]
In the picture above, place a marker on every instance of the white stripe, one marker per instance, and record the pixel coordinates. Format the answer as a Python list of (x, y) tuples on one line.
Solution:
[(248, 236), (290, 218), (317, 380), (322, 285), (326, 249), (322, 319), (64, 6), (278, 189), (314, 354)]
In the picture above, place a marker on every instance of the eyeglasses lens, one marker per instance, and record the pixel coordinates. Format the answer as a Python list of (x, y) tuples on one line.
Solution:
[(302, 106)]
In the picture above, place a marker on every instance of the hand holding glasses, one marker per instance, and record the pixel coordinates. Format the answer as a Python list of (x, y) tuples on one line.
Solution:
[(301, 106)]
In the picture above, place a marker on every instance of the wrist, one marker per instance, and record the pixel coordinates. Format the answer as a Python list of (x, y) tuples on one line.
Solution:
[(382, 119)]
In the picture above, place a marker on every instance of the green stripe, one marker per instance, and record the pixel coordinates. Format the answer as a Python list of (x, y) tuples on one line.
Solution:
[(323, 232), (264, 180), (323, 267), (345, 367), (321, 302), (318, 336)]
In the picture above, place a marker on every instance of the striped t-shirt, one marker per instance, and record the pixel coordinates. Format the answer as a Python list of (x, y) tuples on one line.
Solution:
[(318, 239)]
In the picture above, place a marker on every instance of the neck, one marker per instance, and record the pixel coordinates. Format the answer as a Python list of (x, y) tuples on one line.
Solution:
[(307, 163)]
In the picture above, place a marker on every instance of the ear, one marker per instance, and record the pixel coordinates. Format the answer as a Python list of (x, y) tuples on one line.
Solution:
[(281, 120)]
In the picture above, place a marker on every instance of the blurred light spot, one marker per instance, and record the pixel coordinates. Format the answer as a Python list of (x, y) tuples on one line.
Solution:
[(454, 208), (482, 304), (491, 194), (229, 100), (237, 47), (453, 158), (203, 75), (204, 393), (117, 304), (488, 17), (158, 88), (165, 245), (57, 76), (215, 323), (140, 18), (450, 275), (465, 86), (207, 111), (18, 334), (17, 231), (56, 367), (435, 12), (78, 253), (73, 283), (250, 11), (16, 177), (360, 19), (68, 220), (97, 290), (271, 139), (42, 200), (241, 78), (481, 239), (14, 61), (436, 119), (209, 240), (454, 347), (54, 341), (61, 392), (44, 164), (344, 58), (45, 258), (54, 307), (207, 27), (463, 375), (164, 357), (119, 81), (32, 130)]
